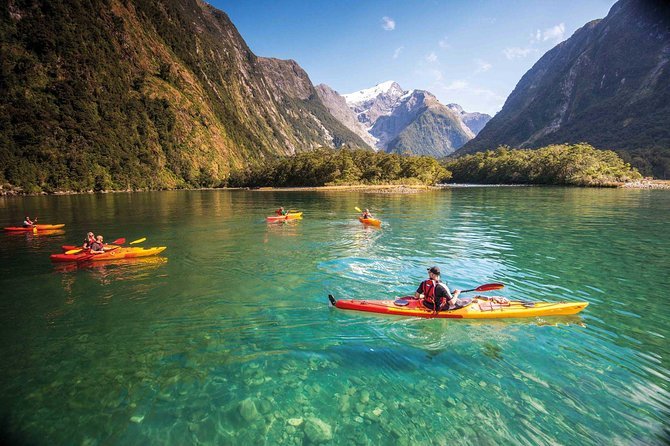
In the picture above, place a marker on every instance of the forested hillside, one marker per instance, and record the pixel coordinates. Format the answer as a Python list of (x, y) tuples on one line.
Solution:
[(98, 95)]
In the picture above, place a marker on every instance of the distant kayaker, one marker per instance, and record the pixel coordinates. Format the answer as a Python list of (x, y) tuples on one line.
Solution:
[(434, 293), (28, 223), (97, 247), (90, 239), (281, 211), (366, 214)]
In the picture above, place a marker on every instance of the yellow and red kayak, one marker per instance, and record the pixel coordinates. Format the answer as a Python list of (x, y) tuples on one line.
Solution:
[(35, 227), (370, 221), (112, 254), (479, 307), (289, 216)]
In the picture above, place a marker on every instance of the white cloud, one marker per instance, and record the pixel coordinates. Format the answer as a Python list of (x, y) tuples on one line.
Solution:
[(555, 33), (456, 85), (444, 44), (397, 51), (482, 66), (388, 23), (517, 53), (431, 58), (437, 74)]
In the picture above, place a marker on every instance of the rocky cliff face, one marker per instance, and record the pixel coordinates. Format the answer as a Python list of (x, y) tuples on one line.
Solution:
[(133, 94), (337, 106), (408, 121), (608, 85)]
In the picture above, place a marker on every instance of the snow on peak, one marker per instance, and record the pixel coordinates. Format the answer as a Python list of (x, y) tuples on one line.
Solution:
[(371, 93)]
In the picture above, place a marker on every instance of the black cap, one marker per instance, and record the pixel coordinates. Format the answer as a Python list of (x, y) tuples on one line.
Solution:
[(435, 270)]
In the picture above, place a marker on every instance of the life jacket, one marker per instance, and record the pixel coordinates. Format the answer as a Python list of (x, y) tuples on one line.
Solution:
[(429, 286)]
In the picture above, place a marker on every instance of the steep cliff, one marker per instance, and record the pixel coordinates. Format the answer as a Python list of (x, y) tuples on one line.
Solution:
[(608, 85), (144, 94)]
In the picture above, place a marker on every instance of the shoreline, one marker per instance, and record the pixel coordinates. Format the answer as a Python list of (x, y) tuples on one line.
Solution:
[(372, 188)]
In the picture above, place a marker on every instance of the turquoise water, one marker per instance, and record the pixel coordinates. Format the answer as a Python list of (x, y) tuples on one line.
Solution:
[(228, 338)]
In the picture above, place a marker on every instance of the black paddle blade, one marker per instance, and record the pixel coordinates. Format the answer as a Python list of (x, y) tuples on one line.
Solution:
[(331, 299)]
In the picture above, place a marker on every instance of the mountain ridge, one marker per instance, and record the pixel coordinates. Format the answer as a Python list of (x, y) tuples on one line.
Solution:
[(606, 85), (394, 117)]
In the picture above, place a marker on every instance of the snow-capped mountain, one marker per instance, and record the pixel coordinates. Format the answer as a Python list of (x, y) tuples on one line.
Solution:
[(409, 120)]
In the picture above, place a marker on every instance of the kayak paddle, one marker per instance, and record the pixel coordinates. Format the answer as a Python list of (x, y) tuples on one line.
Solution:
[(486, 287), (358, 209), (137, 241)]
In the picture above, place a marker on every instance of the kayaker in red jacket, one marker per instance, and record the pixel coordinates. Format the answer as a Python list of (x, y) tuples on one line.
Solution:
[(27, 223), (435, 294), (97, 247), (281, 211), (367, 214)]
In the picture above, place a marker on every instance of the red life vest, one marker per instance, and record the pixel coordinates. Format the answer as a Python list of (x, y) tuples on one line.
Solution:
[(429, 286)]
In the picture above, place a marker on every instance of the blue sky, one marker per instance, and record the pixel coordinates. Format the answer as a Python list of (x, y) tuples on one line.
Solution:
[(472, 53)]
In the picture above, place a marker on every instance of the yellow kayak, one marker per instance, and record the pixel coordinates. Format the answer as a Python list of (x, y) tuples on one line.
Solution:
[(479, 307), (289, 216)]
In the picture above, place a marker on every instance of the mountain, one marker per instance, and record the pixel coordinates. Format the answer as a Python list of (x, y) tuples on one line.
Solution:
[(607, 85), (475, 120), (110, 94), (337, 106), (408, 121)]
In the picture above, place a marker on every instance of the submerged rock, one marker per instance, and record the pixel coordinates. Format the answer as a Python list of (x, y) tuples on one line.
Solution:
[(295, 421), (248, 410), (318, 431)]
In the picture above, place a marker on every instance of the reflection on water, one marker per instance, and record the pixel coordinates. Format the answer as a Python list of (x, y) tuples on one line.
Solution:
[(233, 340)]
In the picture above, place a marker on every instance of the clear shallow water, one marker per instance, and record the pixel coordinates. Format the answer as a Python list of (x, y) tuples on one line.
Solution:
[(228, 337)]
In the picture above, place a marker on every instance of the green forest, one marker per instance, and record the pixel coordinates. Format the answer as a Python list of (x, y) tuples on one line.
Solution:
[(325, 167), (570, 165), (565, 164)]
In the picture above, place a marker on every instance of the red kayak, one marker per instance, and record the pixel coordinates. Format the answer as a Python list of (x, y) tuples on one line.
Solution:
[(34, 228)]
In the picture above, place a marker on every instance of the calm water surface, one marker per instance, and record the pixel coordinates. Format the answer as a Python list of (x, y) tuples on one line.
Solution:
[(228, 338)]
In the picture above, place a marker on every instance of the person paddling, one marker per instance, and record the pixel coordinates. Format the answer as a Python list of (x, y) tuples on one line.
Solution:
[(90, 239), (281, 211), (434, 293), (97, 247), (366, 214), (28, 223)]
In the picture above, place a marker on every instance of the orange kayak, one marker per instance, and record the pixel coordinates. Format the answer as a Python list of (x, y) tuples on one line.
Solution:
[(370, 221), (112, 254), (35, 227)]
